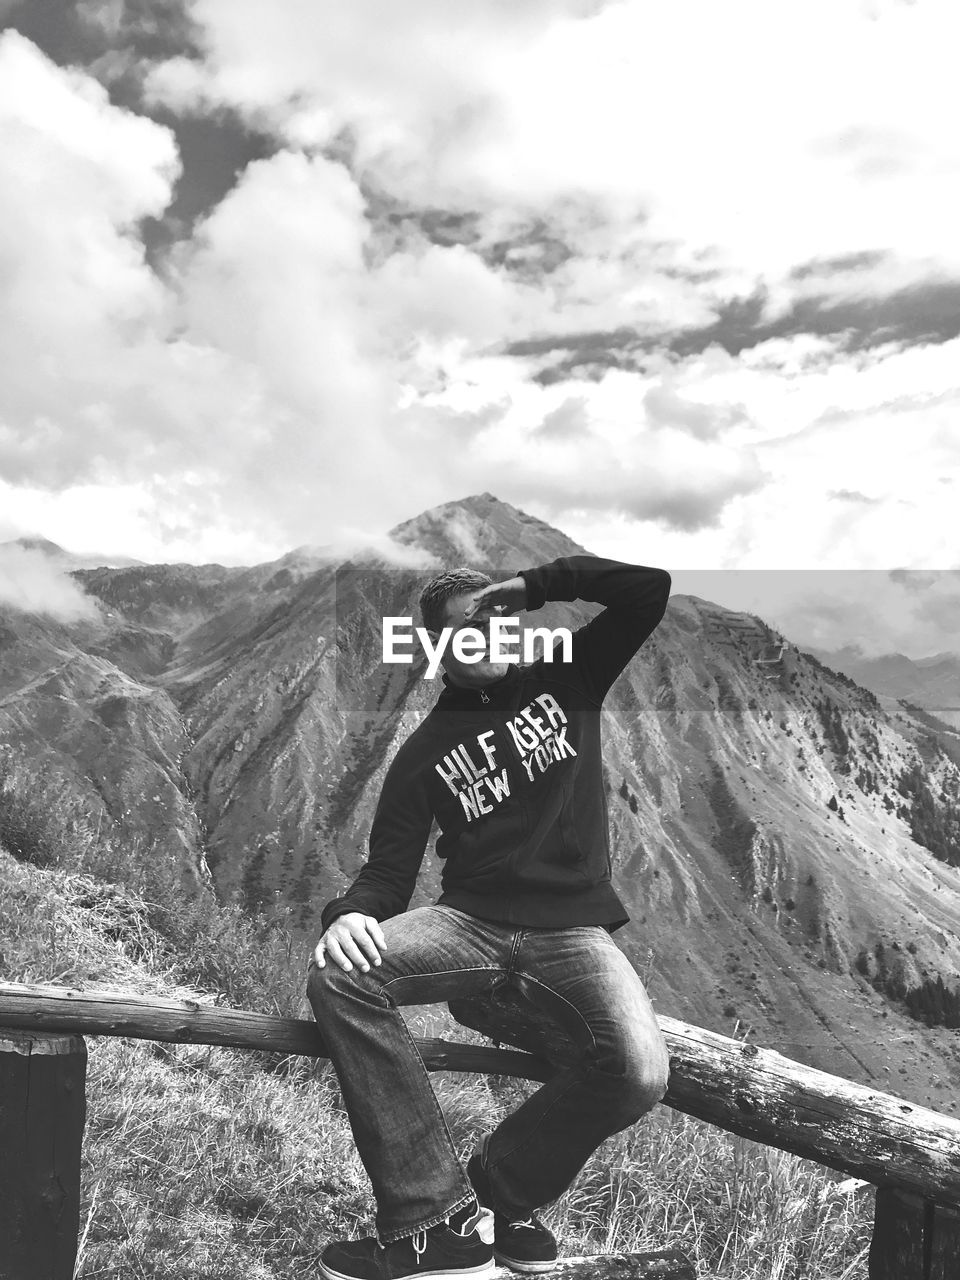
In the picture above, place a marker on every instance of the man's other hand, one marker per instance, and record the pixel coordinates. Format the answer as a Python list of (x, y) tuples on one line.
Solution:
[(504, 597), (352, 940)]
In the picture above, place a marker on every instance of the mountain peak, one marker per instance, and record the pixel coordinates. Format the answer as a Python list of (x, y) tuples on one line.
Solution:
[(34, 542), (483, 530), (67, 560)]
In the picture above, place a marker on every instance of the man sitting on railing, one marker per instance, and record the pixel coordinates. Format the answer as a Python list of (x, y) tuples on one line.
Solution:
[(508, 763)]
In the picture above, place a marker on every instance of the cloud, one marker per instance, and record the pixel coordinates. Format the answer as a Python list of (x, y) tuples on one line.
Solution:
[(361, 545), (80, 311), (851, 495), (287, 370), (940, 608), (568, 421), (661, 476), (681, 505), (529, 106), (498, 246), (873, 612), (855, 449), (605, 456), (831, 214), (465, 531), (133, 18), (904, 310), (913, 580), (32, 582), (312, 77), (225, 389), (878, 615), (666, 408), (825, 268)]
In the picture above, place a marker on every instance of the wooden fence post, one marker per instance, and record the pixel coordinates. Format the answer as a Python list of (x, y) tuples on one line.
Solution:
[(42, 1111), (913, 1238)]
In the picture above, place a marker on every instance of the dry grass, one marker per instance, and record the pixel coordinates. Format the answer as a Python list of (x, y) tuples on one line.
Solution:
[(213, 1163)]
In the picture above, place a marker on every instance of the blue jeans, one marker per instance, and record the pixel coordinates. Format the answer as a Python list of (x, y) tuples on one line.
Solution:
[(437, 954)]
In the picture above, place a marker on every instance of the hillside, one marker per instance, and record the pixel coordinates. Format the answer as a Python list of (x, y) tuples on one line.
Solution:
[(788, 845)]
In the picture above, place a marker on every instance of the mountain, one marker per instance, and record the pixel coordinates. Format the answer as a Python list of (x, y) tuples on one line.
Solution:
[(66, 559), (932, 683), (787, 843)]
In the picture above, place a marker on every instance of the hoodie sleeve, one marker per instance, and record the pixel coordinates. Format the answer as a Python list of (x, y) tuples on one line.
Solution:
[(398, 840), (635, 598)]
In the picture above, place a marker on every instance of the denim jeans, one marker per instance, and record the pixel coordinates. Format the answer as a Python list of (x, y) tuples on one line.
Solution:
[(437, 954)]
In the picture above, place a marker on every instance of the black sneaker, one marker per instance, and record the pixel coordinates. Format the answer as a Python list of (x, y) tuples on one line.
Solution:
[(520, 1243), (443, 1252)]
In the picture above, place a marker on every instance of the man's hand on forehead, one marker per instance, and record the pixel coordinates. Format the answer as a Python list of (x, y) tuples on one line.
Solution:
[(509, 596), (478, 611)]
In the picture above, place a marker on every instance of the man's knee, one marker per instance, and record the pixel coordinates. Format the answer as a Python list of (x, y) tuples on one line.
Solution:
[(635, 1079), (650, 1081), (328, 984)]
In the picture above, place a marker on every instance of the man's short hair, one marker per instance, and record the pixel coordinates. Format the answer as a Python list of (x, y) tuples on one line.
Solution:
[(454, 582)]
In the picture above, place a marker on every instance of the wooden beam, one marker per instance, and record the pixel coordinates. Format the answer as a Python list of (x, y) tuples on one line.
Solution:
[(747, 1090), (759, 1094), (42, 1111), (668, 1265), (118, 1013)]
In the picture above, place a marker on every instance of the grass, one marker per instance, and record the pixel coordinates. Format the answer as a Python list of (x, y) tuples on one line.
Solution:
[(210, 1163)]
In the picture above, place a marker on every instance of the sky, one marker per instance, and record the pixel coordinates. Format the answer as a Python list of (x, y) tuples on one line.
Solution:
[(681, 279)]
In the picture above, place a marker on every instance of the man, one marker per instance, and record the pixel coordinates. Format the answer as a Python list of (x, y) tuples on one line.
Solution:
[(508, 763)]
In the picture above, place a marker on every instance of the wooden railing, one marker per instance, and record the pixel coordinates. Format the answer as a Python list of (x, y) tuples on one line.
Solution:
[(911, 1154)]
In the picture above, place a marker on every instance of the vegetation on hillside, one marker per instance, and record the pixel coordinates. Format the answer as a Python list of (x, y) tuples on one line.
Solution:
[(935, 826), (928, 1000)]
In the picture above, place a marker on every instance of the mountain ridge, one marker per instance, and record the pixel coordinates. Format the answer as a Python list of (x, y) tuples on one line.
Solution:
[(67, 559), (932, 683)]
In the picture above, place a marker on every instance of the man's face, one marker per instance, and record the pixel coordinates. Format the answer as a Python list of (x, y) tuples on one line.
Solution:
[(469, 674)]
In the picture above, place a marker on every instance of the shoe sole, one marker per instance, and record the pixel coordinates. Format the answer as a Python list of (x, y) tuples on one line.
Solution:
[(527, 1267), (485, 1271)]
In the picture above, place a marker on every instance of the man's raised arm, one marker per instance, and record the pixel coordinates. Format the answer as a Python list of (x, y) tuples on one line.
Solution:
[(635, 598)]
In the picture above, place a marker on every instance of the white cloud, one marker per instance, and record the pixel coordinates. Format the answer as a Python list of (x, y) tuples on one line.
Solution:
[(859, 454), (361, 545), (240, 395), (32, 582), (300, 372), (78, 301), (689, 113), (284, 379), (386, 70)]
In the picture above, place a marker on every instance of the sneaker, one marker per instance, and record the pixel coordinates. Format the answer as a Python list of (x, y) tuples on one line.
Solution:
[(444, 1252), (521, 1243)]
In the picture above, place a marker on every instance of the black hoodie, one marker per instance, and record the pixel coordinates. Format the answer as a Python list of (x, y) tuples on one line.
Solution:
[(512, 773)]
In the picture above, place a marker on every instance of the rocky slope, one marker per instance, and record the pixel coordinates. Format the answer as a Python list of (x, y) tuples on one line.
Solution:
[(787, 843)]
